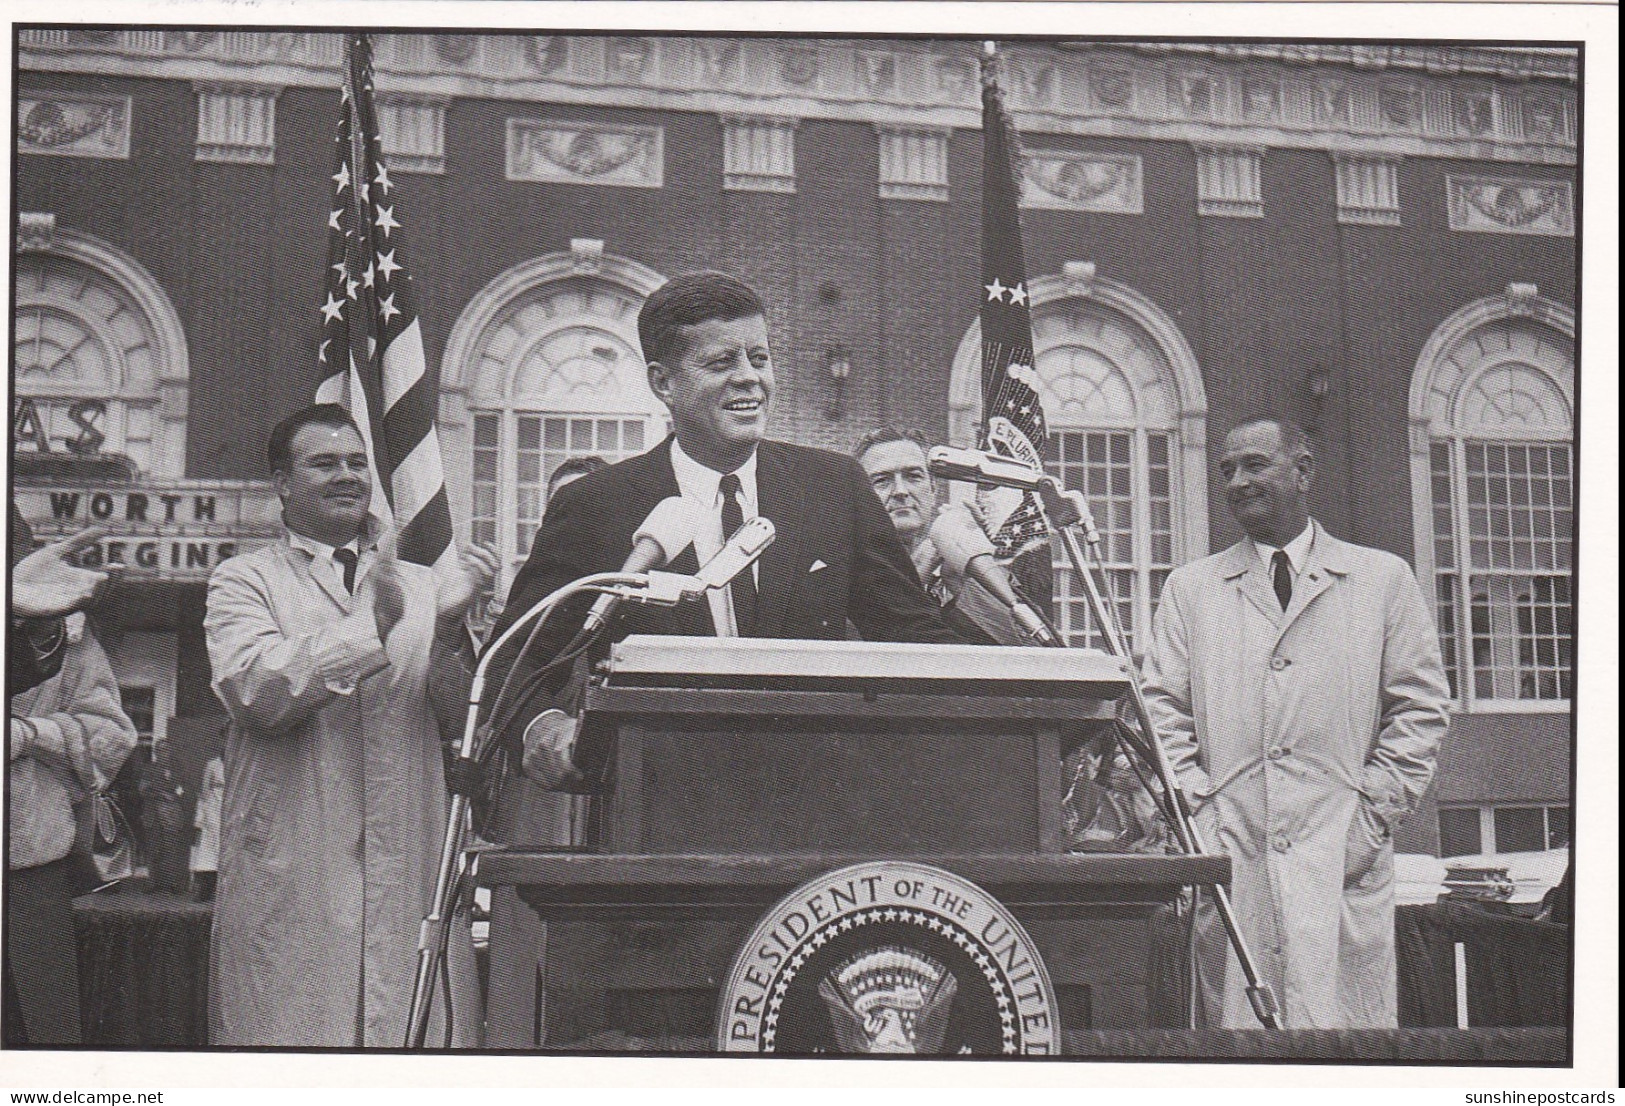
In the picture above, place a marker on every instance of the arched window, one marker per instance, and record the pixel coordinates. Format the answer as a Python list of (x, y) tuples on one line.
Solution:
[(100, 357), (1492, 465), (1123, 398), (543, 365)]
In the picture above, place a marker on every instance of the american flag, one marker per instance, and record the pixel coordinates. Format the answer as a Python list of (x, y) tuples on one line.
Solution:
[(371, 356), (1014, 416)]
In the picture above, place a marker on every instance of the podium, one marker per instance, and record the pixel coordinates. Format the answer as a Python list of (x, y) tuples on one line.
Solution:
[(726, 772)]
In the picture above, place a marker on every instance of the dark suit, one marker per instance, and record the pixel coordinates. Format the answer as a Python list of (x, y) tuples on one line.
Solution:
[(836, 556)]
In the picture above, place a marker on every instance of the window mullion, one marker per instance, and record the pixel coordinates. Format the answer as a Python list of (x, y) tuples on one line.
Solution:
[(508, 520), (1461, 527)]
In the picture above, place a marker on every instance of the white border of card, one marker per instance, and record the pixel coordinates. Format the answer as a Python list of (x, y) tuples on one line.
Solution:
[(1596, 955)]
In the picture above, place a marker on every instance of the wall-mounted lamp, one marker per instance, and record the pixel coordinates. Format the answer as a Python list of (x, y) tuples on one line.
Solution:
[(1317, 385), (838, 363)]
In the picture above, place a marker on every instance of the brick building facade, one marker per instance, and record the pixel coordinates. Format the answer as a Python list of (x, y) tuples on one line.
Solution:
[(1378, 241)]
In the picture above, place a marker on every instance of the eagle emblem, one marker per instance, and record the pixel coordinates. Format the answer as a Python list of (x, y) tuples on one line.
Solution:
[(889, 1000)]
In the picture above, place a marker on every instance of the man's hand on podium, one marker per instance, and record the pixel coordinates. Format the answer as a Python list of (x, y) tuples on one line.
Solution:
[(550, 739)]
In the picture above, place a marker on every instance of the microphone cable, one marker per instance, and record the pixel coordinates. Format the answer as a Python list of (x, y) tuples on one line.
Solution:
[(1021, 594)]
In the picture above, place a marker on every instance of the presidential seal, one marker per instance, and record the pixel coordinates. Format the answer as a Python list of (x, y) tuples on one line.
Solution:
[(889, 957)]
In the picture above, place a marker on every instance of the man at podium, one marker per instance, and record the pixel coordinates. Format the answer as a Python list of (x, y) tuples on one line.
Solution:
[(836, 556)]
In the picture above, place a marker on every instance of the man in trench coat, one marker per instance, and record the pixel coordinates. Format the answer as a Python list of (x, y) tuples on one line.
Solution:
[(340, 669), (1297, 684)]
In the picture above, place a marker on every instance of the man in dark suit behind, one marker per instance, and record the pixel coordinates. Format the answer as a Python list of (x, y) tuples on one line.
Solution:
[(836, 556)]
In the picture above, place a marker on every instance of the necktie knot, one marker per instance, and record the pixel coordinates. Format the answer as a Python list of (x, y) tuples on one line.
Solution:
[(348, 558), (1281, 570)]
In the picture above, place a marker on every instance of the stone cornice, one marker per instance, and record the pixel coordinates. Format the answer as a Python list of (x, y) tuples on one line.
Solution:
[(1408, 101), (1444, 61)]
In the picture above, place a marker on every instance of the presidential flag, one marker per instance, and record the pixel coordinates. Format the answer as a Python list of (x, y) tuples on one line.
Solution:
[(371, 354), (1014, 418)]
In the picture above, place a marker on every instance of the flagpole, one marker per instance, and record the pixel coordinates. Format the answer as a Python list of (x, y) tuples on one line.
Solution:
[(1014, 408)]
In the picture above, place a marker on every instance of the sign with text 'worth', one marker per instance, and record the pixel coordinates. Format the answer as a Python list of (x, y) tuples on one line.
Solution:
[(177, 530)]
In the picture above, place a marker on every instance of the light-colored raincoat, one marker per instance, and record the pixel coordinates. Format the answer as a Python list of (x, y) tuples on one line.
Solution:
[(1302, 738), (334, 809)]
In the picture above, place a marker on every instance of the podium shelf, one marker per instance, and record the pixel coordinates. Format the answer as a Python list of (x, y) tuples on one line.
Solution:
[(970, 671), (631, 880)]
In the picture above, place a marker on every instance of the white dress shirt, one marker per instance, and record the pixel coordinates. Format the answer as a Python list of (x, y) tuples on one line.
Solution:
[(323, 561), (703, 485), (1296, 550)]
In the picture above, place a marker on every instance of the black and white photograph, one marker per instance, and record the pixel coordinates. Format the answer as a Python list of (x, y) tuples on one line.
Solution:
[(637, 532)]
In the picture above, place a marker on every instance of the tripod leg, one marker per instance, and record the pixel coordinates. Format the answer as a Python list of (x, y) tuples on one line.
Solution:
[(432, 934)]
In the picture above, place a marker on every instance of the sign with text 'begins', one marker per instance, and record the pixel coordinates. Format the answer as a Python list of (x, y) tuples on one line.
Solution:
[(171, 531)]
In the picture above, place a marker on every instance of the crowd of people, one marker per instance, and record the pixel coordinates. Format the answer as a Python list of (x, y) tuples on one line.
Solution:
[(1295, 678)]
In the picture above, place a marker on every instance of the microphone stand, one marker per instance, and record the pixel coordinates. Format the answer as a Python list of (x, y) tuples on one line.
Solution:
[(1066, 513), (433, 933)]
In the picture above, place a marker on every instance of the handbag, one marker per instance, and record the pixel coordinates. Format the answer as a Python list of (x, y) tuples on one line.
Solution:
[(105, 837)]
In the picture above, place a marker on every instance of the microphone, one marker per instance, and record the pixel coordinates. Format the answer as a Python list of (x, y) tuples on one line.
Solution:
[(986, 469), (669, 529), (550, 737), (738, 553), (667, 589), (967, 551)]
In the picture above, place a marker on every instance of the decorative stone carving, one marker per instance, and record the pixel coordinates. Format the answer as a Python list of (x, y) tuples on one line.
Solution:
[(586, 153), (1400, 100), (1079, 278), (1508, 205), (954, 78), (1195, 94), (193, 42), (1229, 181), (1332, 104), (1544, 119), (586, 256), (1396, 105), (1521, 297), (456, 50), (799, 66), (35, 230), (547, 54), (414, 133), (719, 60), (73, 125), (1035, 82), (913, 164), (1261, 99), (879, 72), (758, 154), (1368, 190), (1111, 88), (1475, 113), (285, 45), (236, 123), (628, 59), (1071, 180)]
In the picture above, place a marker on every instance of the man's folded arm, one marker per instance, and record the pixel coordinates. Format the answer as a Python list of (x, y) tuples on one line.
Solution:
[(272, 681)]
